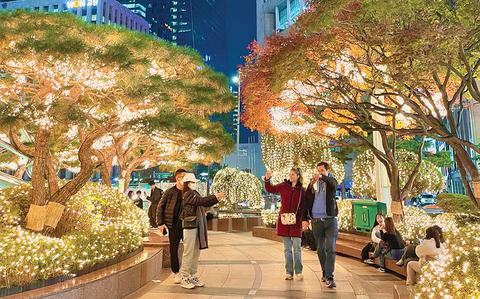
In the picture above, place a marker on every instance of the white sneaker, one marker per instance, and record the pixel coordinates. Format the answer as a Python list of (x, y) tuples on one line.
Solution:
[(177, 278), (288, 277), (187, 283), (196, 281), (299, 276)]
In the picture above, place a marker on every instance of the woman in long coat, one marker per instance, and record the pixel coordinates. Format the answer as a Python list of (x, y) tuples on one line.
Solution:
[(292, 195)]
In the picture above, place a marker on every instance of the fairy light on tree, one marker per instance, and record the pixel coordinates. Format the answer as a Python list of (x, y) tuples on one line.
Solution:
[(239, 187), (281, 153), (82, 79), (429, 178)]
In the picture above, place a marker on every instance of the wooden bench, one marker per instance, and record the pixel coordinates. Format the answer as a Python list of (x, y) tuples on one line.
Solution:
[(349, 244), (352, 244)]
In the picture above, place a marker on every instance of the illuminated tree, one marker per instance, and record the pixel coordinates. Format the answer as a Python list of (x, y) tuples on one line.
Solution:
[(428, 179), (341, 68), (178, 147), (239, 186), (322, 100), (63, 81), (281, 153), (422, 55)]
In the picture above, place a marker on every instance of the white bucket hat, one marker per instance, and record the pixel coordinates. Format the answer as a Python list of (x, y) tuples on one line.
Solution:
[(189, 177)]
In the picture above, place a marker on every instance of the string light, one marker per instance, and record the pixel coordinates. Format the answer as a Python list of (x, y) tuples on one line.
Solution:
[(428, 180), (98, 225), (239, 186), (281, 154), (269, 218)]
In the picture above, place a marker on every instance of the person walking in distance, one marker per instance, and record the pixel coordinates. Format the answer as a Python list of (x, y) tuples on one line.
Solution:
[(194, 222), (154, 198), (168, 216), (289, 221), (322, 210)]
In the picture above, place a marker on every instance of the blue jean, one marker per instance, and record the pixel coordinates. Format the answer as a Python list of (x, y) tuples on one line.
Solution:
[(326, 233), (394, 254), (294, 259)]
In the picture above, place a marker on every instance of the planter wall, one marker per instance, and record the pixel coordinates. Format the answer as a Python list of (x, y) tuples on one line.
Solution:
[(244, 224), (162, 242), (112, 282), (266, 233)]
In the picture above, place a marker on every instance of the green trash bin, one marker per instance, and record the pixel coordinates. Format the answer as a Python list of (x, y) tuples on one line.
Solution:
[(364, 212)]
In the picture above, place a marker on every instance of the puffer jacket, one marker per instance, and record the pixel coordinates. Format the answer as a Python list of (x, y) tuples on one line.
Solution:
[(194, 205)]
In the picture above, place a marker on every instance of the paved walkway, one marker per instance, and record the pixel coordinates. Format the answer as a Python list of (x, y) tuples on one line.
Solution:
[(238, 265)]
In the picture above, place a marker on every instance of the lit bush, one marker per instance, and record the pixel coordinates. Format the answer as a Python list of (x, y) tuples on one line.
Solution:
[(98, 225), (455, 274), (345, 216), (269, 218)]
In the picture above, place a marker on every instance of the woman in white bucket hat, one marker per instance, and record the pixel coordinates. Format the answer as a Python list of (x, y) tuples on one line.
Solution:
[(194, 224)]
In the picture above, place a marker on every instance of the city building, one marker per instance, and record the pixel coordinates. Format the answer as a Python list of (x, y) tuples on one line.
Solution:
[(468, 129), (136, 6), (273, 16), (276, 16), (199, 24), (92, 11)]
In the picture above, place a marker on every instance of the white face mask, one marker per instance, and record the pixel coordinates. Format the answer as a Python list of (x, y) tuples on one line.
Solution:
[(192, 186)]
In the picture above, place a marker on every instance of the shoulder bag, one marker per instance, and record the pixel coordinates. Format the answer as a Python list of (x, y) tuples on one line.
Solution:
[(291, 218)]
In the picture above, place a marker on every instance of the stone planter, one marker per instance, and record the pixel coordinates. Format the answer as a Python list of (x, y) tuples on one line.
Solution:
[(244, 224), (266, 233), (114, 281)]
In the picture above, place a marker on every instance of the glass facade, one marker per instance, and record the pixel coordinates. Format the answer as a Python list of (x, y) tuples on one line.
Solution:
[(112, 12)]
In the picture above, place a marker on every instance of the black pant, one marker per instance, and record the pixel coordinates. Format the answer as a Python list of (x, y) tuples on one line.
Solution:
[(152, 214), (175, 234), (370, 247)]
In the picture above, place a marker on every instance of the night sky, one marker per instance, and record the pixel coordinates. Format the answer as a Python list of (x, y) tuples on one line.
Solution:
[(241, 29)]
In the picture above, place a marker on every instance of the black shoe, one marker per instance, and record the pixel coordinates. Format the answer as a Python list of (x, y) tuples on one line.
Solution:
[(324, 279), (331, 284)]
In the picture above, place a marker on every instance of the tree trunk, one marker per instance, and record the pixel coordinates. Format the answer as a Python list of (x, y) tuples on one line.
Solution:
[(126, 179), (468, 169), (39, 168), (395, 192), (37, 211), (85, 154), (20, 171), (106, 173), (51, 173)]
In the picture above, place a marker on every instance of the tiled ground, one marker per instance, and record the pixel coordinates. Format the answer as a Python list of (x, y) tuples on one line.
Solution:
[(238, 265)]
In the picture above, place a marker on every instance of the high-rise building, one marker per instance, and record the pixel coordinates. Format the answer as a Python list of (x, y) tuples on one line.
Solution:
[(92, 11), (468, 128), (136, 6), (275, 16), (272, 16), (199, 24)]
